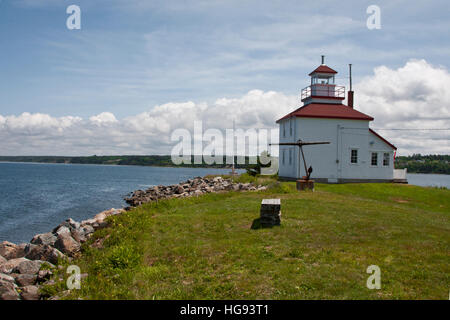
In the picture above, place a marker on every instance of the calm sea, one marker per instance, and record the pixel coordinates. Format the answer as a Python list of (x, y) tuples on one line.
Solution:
[(429, 180), (34, 198)]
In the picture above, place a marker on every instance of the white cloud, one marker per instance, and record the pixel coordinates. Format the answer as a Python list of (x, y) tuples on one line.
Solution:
[(103, 118), (144, 133), (413, 96)]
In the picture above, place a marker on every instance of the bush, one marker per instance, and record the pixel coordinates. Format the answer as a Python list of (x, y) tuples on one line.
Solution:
[(124, 257)]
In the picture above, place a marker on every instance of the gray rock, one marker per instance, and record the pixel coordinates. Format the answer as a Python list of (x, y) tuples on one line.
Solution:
[(78, 235), (73, 224), (44, 275), (44, 238), (9, 250), (88, 230), (23, 280), (198, 192), (29, 267), (88, 222), (2, 260), (43, 252), (5, 277), (66, 244), (179, 189), (61, 230), (8, 291), (8, 266), (30, 293)]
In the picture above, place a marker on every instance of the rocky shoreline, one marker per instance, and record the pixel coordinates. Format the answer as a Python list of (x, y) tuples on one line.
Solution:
[(26, 267)]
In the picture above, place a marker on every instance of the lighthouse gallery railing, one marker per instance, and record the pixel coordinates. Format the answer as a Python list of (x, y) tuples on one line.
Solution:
[(323, 90)]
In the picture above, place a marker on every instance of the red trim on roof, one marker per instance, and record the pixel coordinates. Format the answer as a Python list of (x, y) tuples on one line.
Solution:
[(323, 69), (387, 142), (327, 110)]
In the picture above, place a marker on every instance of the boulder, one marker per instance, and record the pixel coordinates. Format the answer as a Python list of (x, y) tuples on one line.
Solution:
[(24, 280), (8, 291), (66, 244), (198, 192), (2, 259), (73, 224), (78, 235), (8, 266), (44, 238), (29, 267), (44, 275), (179, 189), (30, 293), (88, 230), (5, 277), (9, 250), (43, 252), (61, 230), (100, 217), (88, 222)]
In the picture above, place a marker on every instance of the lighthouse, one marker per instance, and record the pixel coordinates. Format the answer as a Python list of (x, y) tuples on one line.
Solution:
[(356, 153)]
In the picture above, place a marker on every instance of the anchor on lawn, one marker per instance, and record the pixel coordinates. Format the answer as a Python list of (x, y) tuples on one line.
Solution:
[(304, 183)]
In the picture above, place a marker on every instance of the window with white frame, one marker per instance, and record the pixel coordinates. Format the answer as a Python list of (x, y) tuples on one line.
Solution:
[(354, 156), (386, 157), (374, 159)]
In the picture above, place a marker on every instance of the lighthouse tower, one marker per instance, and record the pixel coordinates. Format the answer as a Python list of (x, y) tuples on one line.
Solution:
[(323, 88)]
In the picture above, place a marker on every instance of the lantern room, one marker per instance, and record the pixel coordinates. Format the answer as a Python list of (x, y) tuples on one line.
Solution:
[(323, 87)]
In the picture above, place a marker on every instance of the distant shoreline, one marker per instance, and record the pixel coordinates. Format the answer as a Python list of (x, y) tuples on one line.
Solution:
[(421, 164), (121, 165), (134, 160)]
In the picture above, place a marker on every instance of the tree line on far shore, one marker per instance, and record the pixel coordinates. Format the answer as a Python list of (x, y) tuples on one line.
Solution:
[(130, 160), (418, 163), (415, 163)]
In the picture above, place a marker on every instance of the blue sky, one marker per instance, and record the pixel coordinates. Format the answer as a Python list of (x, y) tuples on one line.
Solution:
[(133, 55)]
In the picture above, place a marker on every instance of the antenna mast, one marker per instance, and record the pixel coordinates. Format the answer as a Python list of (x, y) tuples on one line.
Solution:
[(350, 72), (233, 172)]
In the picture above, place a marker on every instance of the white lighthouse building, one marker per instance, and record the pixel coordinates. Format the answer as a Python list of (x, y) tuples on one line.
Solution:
[(356, 153)]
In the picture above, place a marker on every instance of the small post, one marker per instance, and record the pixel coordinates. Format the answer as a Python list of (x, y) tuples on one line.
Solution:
[(270, 214), (304, 184)]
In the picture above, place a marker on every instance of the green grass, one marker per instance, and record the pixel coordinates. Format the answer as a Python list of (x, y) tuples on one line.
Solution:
[(204, 248)]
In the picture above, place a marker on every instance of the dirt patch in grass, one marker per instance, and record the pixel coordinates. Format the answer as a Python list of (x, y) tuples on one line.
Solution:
[(398, 200)]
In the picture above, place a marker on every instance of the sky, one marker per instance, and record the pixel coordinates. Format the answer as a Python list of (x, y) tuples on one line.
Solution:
[(138, 69)]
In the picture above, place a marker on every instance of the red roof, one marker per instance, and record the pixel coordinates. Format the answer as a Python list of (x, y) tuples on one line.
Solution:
[(376, 134), (323, 69), (327, 110)]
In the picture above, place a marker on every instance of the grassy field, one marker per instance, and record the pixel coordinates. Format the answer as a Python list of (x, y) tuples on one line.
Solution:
[(204, 248)]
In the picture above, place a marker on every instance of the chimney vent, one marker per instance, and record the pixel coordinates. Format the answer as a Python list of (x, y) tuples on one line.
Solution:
[(350, 92), (350, 99)]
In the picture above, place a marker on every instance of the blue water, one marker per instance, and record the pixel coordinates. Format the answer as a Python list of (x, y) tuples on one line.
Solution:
[(429, 180), (34, 198)]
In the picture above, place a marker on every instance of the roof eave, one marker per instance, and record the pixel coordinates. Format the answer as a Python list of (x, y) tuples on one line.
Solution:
[(383, 139)]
